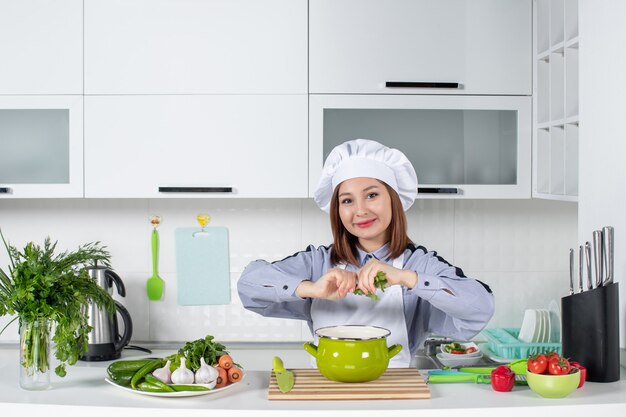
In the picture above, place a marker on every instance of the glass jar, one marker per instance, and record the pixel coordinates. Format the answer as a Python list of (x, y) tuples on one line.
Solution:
[(35, 354)]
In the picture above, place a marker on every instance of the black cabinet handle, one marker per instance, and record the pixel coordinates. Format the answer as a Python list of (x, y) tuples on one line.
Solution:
[(5, 190), (195, 189), (420, 84), (436, 190)]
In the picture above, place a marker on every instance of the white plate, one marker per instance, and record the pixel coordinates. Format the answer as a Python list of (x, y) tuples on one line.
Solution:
[(555, 322), (529, 324), (457, 361), (175, 394)]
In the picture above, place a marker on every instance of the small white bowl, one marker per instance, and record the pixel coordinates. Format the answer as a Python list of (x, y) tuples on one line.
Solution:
[(463, 355), (458, 360)]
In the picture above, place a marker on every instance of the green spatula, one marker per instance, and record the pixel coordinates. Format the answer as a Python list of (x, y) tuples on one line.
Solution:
[(155, 283)]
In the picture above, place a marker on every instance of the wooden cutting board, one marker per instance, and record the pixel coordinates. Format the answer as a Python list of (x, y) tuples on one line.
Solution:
[(394, 384)]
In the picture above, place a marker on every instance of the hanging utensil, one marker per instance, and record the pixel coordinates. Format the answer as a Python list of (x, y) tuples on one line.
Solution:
[(154, 286), (608, 235), (588, 262), (598, 256)]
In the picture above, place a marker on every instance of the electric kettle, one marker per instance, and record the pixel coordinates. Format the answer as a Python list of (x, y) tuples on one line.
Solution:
[(105, 342)]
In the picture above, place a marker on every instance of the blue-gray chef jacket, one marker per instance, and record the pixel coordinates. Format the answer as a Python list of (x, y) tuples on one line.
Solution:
[(459, 313)]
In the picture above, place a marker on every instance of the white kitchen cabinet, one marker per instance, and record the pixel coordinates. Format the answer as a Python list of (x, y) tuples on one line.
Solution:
[(358, 46), (41, 47), (195, 47), (555, 129), (41, 146), (460, 146), (196, 146)]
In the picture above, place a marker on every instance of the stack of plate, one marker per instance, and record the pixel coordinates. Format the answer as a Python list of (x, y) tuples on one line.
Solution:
[(536, 326)]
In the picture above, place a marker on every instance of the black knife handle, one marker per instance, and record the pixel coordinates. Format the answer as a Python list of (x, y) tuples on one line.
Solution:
[(436, 190), (5, 190), (195, 189), (420, 84)]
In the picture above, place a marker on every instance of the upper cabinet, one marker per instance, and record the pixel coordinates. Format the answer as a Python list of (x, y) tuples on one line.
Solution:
[(195, 47), (555, 133), (460, 146), (41, 47), (151, 146), (41, 152), (420, 46)]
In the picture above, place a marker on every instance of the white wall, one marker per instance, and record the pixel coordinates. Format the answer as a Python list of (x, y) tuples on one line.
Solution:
[(518, 247), (602, 166)]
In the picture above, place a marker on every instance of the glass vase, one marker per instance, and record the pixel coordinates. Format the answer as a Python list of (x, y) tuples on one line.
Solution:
[(35, 354)]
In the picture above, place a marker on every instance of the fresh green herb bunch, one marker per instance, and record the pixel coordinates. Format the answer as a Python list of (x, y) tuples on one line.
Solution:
[(380, 281), (40, 286), (202, 348)]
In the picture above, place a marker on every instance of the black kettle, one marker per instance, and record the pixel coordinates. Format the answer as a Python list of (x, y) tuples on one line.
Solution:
[(105, 342)]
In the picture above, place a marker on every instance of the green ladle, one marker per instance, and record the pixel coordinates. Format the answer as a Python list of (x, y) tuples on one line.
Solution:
[(155, 283)]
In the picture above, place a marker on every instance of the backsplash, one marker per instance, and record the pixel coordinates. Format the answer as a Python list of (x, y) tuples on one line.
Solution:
[(518, 247)]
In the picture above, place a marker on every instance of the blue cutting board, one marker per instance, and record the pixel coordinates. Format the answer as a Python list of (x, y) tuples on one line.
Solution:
[(202, 266)]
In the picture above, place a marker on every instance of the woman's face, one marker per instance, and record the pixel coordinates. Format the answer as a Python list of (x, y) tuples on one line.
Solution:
[(365, 211)]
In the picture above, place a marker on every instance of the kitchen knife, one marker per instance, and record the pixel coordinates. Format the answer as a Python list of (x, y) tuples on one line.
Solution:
[(284, 378), (597, 256), (588, 262), (571, 271), (581, 267), (456, 376), (608, 235)]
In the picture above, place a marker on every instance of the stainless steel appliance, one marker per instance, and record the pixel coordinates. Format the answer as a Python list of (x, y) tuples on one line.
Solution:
[(105, 342)]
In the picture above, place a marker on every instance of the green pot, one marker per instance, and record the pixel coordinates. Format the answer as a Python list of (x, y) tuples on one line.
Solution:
[(352, 353)]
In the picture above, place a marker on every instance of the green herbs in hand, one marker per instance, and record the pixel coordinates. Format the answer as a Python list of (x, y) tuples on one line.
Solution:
[(41, 286), (380, 281)]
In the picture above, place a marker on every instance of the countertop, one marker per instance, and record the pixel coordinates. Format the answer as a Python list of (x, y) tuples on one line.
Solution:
[(84, 392)]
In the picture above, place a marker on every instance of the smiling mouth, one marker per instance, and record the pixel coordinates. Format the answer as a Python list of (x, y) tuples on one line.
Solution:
[(366, 223)]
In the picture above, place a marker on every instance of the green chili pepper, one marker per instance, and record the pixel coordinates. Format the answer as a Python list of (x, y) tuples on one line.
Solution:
[(189, 388), (153, 380), (144, 370), (380, 281), (144, 386)]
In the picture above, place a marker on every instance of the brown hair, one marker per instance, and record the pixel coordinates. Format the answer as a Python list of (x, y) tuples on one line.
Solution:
[(344, 248)]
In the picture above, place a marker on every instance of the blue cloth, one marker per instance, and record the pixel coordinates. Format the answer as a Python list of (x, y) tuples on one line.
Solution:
[(444, 302)]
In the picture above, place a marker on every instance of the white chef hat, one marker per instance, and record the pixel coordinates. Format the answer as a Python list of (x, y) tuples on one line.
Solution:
[(367, 158)]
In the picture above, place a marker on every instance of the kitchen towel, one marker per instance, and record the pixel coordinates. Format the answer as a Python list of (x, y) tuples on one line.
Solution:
[(202, 266)]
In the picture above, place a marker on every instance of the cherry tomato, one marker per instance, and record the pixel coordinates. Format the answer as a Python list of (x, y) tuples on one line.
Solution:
[(582, 370), (502, 379), (558, 366), (457, 352), (538, 363)]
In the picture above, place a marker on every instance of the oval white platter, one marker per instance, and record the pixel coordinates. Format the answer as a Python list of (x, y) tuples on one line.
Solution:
[(177, 393)]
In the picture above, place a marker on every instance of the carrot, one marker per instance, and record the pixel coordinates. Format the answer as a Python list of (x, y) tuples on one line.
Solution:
[(234, 374), (225, 361), (222, 377)]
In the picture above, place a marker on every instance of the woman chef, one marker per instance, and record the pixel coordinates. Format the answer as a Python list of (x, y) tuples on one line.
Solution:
[(366, 187)]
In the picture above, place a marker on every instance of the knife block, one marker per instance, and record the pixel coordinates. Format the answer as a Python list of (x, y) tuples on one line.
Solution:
[(590, 331)]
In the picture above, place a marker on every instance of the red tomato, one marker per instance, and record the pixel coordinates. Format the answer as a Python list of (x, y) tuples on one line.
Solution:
[(457, 352), (558, 366), (502, 379), (537, 364), (553, 354), (470, 349), (582, 370)]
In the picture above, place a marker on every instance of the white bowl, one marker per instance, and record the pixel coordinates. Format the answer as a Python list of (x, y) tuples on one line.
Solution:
[(459, 360), (465, 355)]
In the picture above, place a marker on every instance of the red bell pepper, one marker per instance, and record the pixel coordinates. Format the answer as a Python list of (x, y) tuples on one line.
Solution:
[(582, 370), (502, 379)]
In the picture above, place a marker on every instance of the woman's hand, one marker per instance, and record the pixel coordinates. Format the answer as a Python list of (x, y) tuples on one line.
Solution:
[(333, 285), (395, 276)]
